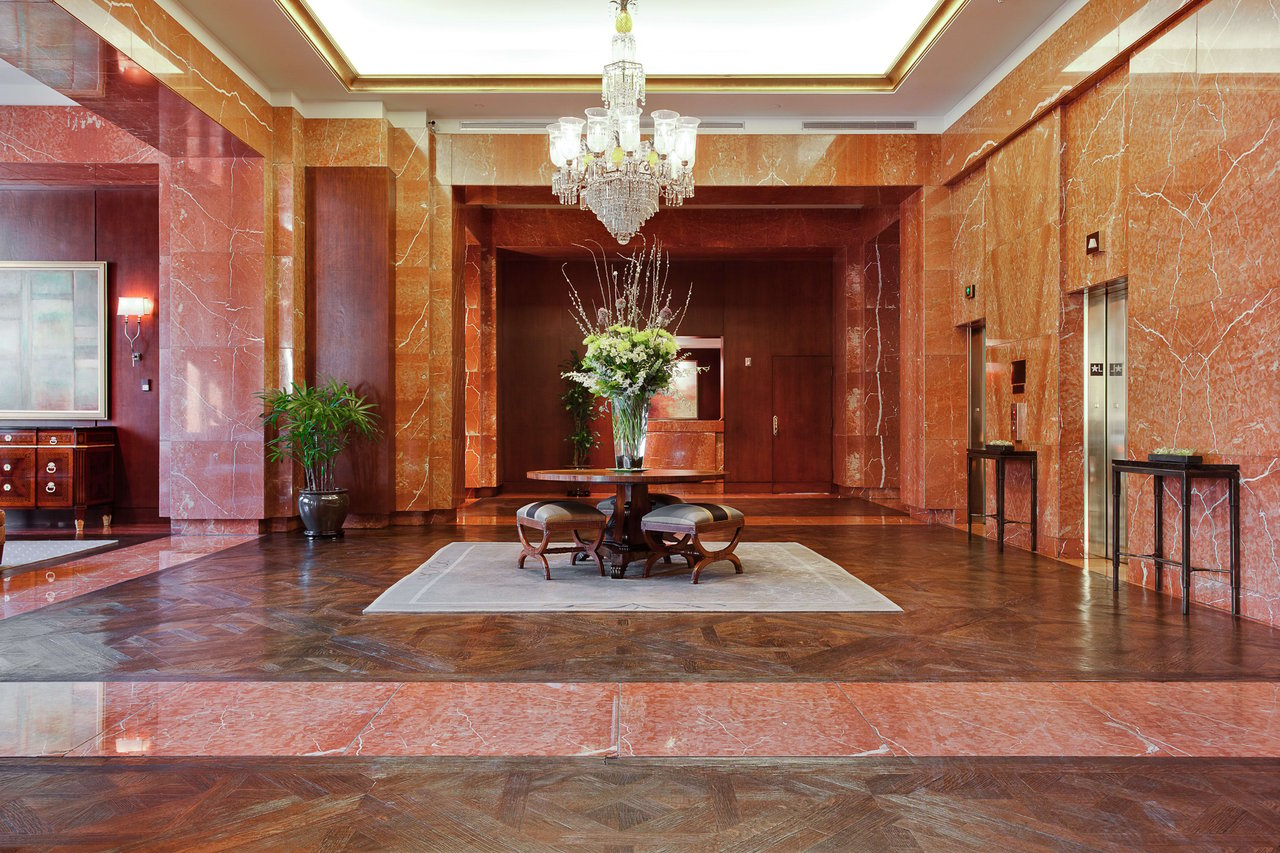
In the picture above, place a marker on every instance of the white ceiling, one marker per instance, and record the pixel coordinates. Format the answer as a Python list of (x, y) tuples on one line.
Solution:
[(982, 43), (676, 37), (988, 34)]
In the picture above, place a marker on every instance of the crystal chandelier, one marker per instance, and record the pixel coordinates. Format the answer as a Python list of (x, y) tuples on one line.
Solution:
[(612, 172)]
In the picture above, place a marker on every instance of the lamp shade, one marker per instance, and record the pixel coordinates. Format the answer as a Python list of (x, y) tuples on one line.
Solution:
[(133, 306)]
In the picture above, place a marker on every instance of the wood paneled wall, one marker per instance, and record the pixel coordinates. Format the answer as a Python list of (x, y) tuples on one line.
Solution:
[(122, 227), (351, 312), (761, 307)]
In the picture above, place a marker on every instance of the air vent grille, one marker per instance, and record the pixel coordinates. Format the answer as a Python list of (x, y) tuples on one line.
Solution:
[(859, 125)]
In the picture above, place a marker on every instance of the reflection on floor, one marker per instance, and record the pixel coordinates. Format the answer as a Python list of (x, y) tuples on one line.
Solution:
[(24, 591), (1015, 702)]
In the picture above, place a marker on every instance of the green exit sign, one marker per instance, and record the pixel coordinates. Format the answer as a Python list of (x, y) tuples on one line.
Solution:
[(970, 291)]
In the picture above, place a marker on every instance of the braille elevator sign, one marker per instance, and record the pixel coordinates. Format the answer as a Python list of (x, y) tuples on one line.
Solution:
[(1117, 368), (1097, 368)]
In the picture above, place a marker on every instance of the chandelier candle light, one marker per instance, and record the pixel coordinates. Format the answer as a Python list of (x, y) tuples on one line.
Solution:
[(611, 171)]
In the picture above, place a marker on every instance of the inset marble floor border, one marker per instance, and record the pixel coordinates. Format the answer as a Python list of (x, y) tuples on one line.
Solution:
[(642, 719)]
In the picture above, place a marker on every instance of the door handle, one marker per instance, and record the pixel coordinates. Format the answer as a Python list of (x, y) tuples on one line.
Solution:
[(775, 425)]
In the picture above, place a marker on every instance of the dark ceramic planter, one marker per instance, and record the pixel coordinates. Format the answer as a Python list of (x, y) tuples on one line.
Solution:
[(323, 512)]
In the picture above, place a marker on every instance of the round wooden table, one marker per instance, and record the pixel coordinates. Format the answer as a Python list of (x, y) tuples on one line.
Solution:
[(624, 541)]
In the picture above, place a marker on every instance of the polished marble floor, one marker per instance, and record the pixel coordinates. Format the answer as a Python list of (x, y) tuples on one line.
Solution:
[(1008, 679)]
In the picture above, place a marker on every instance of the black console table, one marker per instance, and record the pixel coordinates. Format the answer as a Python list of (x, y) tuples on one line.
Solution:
[(1002, 457), (1185, 473)]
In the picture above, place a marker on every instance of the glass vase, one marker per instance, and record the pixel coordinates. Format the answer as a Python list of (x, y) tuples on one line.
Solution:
[(630, 425)]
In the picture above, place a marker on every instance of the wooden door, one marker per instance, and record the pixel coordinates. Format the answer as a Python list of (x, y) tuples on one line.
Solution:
[(802, 431)]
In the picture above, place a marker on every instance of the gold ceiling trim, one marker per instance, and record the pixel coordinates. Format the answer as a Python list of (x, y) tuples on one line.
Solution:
[(327, 49)]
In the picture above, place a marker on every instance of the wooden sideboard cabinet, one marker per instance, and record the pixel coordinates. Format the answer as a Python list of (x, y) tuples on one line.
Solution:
[(57, 468)]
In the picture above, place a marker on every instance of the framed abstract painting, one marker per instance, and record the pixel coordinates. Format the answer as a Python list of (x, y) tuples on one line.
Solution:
[(53, 324)]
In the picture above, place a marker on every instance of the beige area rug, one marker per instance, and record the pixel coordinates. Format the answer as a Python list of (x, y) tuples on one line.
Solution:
[(481, 577), (24, 552)]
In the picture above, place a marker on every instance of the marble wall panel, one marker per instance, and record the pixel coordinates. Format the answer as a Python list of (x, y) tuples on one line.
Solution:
[(880, 343), (348, 142), (969, 225), (1096, 182), (411, 160), (67, 135), (1095, 37), (145, 32), (932, 360), (212, 348), (723, 160)]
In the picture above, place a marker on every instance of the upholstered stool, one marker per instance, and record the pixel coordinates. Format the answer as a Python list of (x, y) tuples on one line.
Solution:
[(550, 517), (689, 522)]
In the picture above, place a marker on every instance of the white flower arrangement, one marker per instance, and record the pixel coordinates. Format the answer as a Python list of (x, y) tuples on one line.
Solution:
[(631, 348)]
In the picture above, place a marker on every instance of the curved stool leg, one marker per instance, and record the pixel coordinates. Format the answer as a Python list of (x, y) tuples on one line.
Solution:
[(725, 553), (591, 549)]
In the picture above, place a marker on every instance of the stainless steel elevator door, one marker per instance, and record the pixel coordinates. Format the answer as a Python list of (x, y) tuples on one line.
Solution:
[(1106, 406), (977, 381)]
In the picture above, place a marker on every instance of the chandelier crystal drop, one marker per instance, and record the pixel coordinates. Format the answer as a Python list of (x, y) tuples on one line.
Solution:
[(604, 166)]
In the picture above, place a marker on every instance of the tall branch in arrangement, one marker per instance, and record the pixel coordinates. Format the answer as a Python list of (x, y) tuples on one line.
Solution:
[(632, 292)]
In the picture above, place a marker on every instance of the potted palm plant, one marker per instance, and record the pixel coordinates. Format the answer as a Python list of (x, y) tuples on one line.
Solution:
[(312, 426), (580, 404)]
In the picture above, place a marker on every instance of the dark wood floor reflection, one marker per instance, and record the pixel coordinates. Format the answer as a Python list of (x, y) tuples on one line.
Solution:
[(643, 805), (282, 608)]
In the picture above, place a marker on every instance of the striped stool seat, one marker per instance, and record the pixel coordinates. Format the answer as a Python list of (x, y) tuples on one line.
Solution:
[(558, 511), (548, 517), (689, 522)]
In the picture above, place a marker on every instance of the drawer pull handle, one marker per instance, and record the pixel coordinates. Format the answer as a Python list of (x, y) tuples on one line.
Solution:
[(53, 439), (51, 468), (8, 488), (51, 488), (8, 437), (8, 467)]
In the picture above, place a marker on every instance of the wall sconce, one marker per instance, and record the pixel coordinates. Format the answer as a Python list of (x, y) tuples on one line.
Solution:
[(136, 307)]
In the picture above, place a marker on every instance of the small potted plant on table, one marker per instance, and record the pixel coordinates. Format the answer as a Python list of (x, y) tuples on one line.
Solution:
[(999, 445), (313, 425)]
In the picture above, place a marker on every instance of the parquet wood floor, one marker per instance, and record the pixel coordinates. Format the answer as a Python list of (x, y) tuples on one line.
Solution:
[(280, 609), (642, 805)]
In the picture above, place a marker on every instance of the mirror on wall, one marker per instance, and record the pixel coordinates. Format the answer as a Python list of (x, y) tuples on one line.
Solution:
[(53, 331)]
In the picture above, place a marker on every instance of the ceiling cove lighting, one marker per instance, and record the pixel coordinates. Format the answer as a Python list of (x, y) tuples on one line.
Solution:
[(610, 170)]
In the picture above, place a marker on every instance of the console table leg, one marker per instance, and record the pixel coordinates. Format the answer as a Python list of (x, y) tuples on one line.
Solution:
[(1000, 505), (1233, 486), (1035, 495), (1186, 545), (1157, 514), (968, 497), (1115, 531)]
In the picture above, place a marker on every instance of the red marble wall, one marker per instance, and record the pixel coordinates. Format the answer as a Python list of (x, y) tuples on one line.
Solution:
[(932, 361), (1204, 300), (212, 342), (879, 379)]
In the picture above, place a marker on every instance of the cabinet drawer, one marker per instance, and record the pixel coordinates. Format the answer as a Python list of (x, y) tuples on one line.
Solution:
[(17, 437), (53, 491), (17, 476), (56, 438), (53, 462)]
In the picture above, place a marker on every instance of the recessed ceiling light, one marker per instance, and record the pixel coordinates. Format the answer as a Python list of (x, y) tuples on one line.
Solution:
[(555, 37)]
